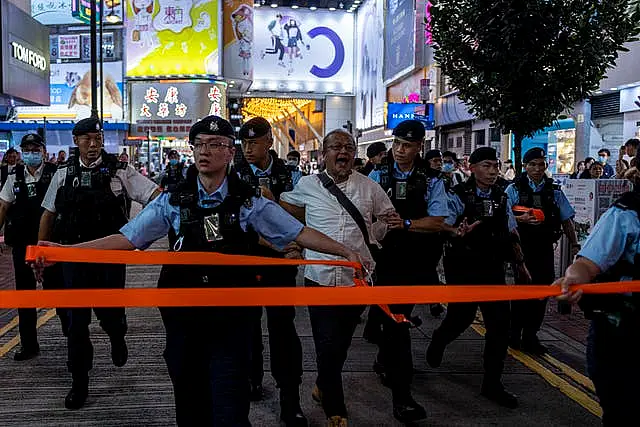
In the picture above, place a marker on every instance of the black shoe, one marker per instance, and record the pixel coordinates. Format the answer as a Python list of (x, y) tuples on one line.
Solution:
[(436, 310), (407, 410), (119, 351), (291, 413), (257, 392), (533, 346), (77, 396), (26, 353), (435, 353), (380, 370), (372, 334), (497, 394)]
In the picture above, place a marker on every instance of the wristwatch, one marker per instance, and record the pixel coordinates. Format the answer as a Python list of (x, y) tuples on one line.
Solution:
[(407, 224)]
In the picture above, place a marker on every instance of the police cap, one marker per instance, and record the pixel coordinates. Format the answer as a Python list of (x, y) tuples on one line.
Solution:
[(85, 126), (533, 154), (212, 125), (432, 154), (482, 154), (255, 128), (32, 138), (410, 130), (375, 149)]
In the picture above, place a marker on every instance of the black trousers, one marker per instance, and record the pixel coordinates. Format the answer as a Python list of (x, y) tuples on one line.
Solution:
[(613, 353), (528, 315), (112, 320), (332, 328), (25, 281), (460, 316), (284, 344), (208, 352)]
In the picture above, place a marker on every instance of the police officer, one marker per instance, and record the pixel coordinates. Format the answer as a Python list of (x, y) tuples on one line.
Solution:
[(612, 253), (410, 253), (262, 170), (20, 201), (534, 190), (86, 200), (486, 237), (208, 349), (9, 160), (175, 172)]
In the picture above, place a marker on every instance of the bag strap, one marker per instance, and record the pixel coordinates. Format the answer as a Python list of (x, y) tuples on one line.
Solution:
[(351, 209)]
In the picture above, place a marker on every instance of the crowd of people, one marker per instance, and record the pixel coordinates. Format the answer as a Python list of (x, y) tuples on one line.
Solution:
[(401, 215)]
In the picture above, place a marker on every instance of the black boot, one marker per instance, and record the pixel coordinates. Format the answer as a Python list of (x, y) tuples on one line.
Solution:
[(119, 351), (495, 391), (380, 370), (435, 352), (77, 396), (532, 345), (257, 392), (406, 409), (290, 411), (26, 353)]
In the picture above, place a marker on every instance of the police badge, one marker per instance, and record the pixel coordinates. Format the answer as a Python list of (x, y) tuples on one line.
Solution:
[(401, 190), (212, 230)]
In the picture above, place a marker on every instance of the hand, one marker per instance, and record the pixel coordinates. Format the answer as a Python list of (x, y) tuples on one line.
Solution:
[(354, 257), (464, 228), (41, 263), (293, 251), (395, 222), (523, 273), (567, 295), (267, 193), (575, 249), (528, 218)]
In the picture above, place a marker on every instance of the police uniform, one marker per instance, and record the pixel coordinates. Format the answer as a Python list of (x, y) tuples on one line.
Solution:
[(479, 258), (89, 203), (173, 174), (6, 169), (537, 243), (284, 343), (613, 344), (24, 192), (407, 258), (208, 350)]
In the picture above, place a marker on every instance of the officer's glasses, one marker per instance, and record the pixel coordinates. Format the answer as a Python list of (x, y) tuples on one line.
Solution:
[(209, 146)]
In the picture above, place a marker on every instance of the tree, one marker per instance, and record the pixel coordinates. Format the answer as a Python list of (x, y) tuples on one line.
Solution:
[(521, 63)]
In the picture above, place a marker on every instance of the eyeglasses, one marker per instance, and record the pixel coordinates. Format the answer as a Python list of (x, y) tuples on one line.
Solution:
[(350, 148), (211, 146)]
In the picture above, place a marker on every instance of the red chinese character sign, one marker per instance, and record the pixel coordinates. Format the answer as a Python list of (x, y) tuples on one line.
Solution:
[(169, 109)]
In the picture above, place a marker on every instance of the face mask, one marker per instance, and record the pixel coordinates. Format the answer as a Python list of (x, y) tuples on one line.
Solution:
[(293, 163), (447, 167), (173, 162), (32, 159), (603, 159)]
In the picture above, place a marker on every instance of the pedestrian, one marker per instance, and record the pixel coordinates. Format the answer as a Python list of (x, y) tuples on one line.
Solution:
[(603, 159), (174, 173), (62, 157), (268, 174), (208, 348), (9, 161), (451, 172), (611, 253), (293, 164), (510, 170), (376, 153), (410, 252), (533, 190), (487, 238), (20, 212), (85, 201), (580, 168), (341, 204)]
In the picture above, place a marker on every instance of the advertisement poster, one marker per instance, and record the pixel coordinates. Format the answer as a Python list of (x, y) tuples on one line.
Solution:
[(301, 50), (58, 12), (70, 93), (68, 46), (237, 30), (169, 109), (370, 91), (399, 47), (630, 99), (172, 37)]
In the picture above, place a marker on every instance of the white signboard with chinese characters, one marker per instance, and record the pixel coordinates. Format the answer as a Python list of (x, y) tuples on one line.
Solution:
[(170, 108), (69, 46)]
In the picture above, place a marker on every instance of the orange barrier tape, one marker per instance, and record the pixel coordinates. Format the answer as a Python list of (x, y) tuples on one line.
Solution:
[(99, 256), (312, 296)]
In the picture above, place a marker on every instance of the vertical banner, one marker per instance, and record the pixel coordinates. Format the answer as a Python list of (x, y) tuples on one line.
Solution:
[(370, 91), (172, 37), (399, 31), (237, 30)]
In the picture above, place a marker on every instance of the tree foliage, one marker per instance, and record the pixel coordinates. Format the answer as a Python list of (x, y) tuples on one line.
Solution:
[(521, 63)]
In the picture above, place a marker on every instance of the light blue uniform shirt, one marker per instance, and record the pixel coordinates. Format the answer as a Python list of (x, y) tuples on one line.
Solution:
[(457, 207), (265, 217), (295, 175), (436, 195), (615, 236), (566, 210)]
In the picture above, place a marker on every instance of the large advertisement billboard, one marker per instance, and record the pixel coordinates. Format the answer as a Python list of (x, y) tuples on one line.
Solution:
[(399, 31), (397, 113), (370, 93), (170, 108), (301, 50), (172, 37), (70, 93), (237, 31)]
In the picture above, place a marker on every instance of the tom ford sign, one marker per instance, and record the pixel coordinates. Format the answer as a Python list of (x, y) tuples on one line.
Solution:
[(28, 56)]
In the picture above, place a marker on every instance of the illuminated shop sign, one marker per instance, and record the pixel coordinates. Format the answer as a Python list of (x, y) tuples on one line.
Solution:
[(28, 56)]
